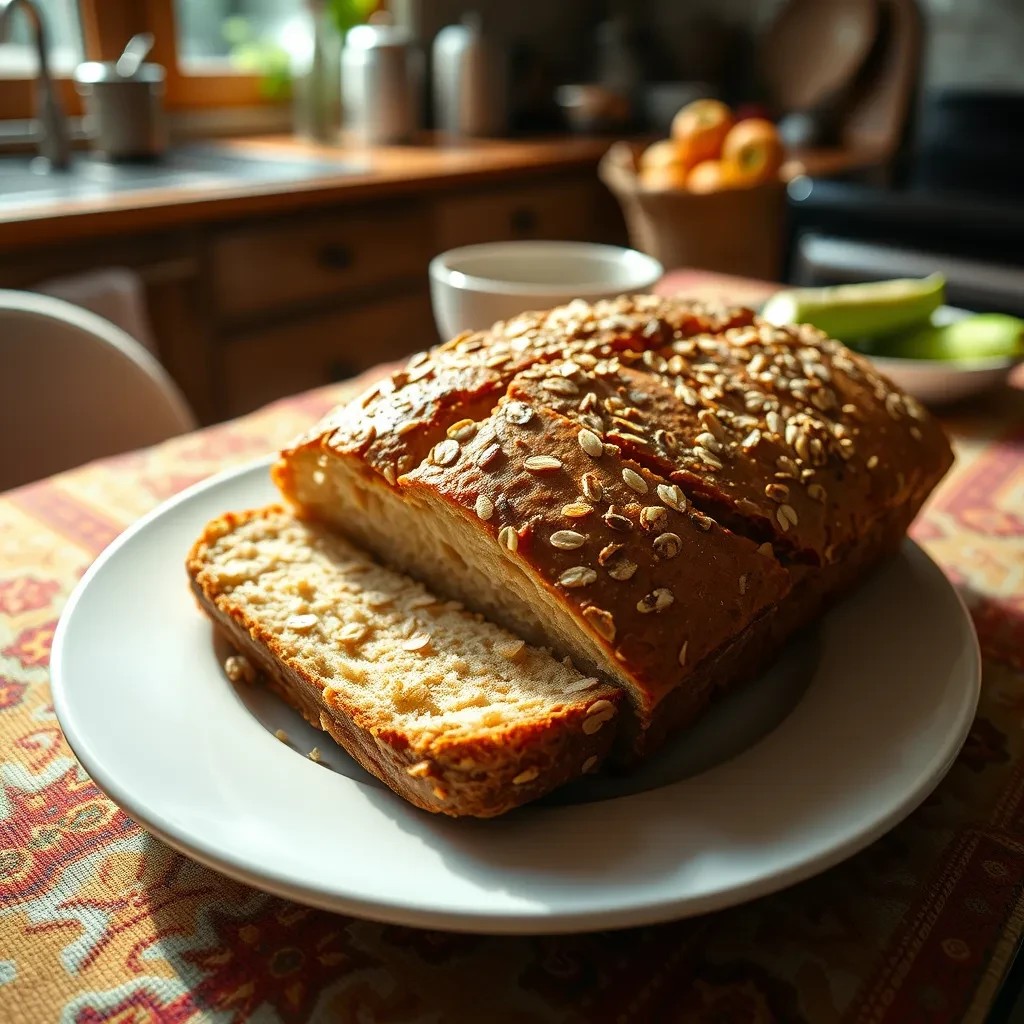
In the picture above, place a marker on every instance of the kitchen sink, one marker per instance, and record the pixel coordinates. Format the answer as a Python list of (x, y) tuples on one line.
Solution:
[(27, 181)]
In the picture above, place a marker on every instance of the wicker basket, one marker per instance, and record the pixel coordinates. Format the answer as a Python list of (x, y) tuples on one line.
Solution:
[(735, 231)]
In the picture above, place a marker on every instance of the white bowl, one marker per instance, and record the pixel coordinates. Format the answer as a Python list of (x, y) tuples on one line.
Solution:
[(477, 285)]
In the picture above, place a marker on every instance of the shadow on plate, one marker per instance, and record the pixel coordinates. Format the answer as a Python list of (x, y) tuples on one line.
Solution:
[(734, 723)]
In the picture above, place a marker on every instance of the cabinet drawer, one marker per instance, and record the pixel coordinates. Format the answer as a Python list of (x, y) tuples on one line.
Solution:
[(315, 350), (563, 209), (289, 262)]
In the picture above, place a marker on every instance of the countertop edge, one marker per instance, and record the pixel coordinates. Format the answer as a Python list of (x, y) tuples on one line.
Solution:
[(393, 171)]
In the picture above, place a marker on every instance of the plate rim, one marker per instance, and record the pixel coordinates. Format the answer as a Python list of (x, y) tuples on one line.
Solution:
[(953, 367), (485, 921)]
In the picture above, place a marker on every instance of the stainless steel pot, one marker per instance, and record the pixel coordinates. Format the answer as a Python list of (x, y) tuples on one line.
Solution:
[(379, 83), (124, 116)]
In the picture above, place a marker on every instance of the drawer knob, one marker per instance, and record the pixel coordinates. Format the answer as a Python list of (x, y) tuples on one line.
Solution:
[(335, 256), (523, 220)]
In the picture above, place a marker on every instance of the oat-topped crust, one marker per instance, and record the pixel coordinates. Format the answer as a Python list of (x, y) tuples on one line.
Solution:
[(659, 583), (776, 424), (659, 464)]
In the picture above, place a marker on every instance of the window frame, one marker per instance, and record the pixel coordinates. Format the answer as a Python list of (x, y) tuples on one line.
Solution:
[(106, 26)]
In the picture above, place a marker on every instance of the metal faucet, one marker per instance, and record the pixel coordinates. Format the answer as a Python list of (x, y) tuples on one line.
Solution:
[(54, 139)]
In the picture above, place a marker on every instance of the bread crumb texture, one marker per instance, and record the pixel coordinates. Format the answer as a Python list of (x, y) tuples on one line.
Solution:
[(376, 640)]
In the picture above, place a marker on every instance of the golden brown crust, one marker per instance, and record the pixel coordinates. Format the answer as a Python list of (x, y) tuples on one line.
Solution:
[(773, 435), (660, 585), (478, 775), (393, 425), (779, 431)]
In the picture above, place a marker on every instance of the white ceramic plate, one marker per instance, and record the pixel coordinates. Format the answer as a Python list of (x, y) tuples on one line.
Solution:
[(942, 381), (840, 741)]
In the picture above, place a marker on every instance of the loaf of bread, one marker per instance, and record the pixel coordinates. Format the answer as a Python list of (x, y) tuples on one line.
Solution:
[(453, 713), (659, 491)]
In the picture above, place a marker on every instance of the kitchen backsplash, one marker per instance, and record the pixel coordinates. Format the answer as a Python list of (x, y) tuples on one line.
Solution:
[(543, 25), (975, 43), (970, 43)]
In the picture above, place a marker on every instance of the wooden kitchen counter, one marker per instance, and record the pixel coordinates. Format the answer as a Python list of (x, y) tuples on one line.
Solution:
[(255, 290), (390, 170)]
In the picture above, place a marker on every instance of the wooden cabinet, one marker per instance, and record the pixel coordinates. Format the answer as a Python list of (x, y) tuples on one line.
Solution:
[(304, 301), (319, 348), (249, 310), (324, 255), (566, 209)]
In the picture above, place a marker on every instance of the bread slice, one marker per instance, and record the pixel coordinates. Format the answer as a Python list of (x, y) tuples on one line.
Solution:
[(453, 713), (659, 491)]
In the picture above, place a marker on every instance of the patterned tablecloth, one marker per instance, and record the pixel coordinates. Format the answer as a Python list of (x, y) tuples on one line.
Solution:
[(100, 922)]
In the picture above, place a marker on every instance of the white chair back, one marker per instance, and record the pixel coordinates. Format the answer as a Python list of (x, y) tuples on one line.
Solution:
[(73, 387)]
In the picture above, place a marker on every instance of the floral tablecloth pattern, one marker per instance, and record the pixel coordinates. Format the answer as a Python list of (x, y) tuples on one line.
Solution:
[(99, 922)]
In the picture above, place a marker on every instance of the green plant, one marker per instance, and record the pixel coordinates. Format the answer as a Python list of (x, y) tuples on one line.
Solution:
[(267, 58), (258, 56), (347, 14)]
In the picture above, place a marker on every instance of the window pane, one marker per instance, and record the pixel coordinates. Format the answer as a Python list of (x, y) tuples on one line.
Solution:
[(221, 31), (17, 55)]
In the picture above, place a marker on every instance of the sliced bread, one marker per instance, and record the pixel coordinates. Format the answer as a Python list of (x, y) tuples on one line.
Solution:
[(453, 713)]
